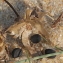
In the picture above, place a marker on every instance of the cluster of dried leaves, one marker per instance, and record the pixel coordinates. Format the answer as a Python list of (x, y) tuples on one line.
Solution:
[(22, 29)]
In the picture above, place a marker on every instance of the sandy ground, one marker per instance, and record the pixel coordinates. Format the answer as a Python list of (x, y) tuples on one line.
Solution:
[(53, 8)]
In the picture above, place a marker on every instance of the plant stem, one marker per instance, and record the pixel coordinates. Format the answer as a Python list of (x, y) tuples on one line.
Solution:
[(12, 8), (39, 57)]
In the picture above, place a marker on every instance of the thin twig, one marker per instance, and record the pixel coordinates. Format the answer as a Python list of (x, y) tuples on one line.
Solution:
[(39, 57), (12, 8), (56, 21), (59, 48)]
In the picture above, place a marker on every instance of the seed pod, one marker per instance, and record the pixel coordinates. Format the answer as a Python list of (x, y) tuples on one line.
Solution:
[(36, 38), (17, 52), (49, 51)]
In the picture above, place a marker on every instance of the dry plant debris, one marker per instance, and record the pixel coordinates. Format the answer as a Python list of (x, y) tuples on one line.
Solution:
[(21, 31)]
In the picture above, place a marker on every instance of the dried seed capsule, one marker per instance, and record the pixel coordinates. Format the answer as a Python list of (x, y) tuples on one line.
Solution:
[(17, 52), (36, 38), (49, 51)]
